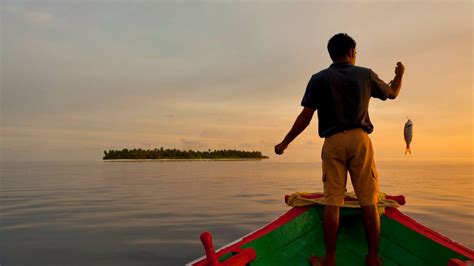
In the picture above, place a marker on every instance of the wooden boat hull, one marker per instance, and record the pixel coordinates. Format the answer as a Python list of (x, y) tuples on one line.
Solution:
[(298, 235)]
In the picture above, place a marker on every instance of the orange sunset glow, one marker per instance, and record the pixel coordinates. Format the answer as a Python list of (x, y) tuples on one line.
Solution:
[(189, 82)]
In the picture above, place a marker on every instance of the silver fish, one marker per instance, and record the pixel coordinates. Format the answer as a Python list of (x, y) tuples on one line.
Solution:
[(408, 134)]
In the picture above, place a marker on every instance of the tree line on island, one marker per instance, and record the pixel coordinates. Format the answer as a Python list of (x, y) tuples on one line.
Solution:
[(179, 154)]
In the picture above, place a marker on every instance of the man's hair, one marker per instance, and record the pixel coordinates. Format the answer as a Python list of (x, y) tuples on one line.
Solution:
[(339, 46)]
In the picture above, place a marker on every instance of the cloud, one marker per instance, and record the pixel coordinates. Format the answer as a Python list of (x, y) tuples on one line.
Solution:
[(208, 133), (39, 17), (193, 145), (245, 145), (32, 16)]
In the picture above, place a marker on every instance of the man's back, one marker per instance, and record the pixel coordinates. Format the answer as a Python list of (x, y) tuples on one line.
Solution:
[(341, 94)]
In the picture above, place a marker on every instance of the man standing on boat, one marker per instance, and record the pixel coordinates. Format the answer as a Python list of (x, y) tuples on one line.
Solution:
[(341, 94)]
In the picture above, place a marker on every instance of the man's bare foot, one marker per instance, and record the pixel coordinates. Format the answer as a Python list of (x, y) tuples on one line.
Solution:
[(373, 262)]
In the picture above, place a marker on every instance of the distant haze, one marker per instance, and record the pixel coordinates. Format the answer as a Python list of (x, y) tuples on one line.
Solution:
[(80, 77)]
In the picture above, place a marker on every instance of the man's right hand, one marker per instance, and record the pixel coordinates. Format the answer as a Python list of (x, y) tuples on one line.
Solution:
[(399, 69), (280, 148)]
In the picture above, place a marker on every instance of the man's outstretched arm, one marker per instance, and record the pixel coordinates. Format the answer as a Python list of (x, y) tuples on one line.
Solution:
[(396, 83), (301, 122)]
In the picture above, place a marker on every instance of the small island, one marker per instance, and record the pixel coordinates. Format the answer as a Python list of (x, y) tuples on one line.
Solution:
[(175, 154)]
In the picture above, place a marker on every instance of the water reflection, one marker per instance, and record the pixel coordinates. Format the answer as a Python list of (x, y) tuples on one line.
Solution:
[(100, 213)]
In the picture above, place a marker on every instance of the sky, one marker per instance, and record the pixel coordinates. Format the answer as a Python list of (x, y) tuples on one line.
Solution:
[(81, 77)]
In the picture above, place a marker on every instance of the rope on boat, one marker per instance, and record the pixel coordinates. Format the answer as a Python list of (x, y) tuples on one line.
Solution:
[(300, 199)]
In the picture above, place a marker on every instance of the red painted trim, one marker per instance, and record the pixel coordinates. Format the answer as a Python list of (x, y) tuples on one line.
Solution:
[(236, 247), (405, 220), (456, 262)]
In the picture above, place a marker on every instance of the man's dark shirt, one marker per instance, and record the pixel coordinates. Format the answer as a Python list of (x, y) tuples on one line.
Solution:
[(341, 94)]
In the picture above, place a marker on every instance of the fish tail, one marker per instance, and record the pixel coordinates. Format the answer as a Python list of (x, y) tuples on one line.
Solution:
[(407, 150)]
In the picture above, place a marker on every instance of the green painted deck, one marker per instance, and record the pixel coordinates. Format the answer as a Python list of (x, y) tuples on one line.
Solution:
[(293, 243)]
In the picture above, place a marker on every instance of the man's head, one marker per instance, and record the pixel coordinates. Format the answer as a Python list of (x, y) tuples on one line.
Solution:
[(341, 47)]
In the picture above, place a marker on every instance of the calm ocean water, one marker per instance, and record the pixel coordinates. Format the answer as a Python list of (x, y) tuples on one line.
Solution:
[(151, 213)]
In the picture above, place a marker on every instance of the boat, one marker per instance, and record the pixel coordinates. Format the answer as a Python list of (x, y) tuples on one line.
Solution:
[(298, 234)]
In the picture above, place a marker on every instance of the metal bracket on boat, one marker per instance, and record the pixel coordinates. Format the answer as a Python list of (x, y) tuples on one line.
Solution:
[(241, 257)]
